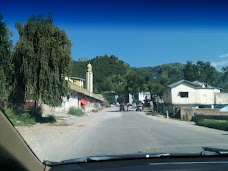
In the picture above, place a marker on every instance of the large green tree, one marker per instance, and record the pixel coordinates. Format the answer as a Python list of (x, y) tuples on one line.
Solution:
[(6, 67), (43, 59), (201, 71)]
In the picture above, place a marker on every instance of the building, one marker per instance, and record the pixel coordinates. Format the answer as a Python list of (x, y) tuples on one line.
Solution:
[(193, 93), (78, 81), (144, 95), (184, 96), (78, 96), (89, 78)]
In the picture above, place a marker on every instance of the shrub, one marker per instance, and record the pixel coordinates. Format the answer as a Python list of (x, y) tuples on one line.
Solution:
[(20, 117), (216, 124), (75, 111)]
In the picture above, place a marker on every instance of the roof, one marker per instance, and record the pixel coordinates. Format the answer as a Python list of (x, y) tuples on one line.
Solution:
[(201, 84), (181, 82), (195, 84), (85, 92), (77, 78)]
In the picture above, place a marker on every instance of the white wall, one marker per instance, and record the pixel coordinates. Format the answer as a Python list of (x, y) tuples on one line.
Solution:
[(130, 98), (221, 98), (205, 96), (142, 95), (195, 95), (177, 99), (66, 104)]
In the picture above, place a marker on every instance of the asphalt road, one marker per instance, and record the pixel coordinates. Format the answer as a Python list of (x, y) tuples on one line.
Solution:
[(132, 132)]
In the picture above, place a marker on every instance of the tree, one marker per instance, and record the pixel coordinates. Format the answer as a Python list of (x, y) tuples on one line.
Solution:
[(224, 78), (201, 71), (225, 70), (6, 67), (43, 59), (134, 82)]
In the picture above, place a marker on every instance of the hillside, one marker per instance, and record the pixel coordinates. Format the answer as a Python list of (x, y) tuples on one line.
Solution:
[(107, 70), (114, 76)]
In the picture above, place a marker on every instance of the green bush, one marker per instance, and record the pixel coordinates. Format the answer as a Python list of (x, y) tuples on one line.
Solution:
[(217, 124), (20, 117), (75, 111)]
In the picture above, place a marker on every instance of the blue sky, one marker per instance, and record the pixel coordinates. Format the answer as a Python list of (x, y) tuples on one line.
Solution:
[(142, 32)]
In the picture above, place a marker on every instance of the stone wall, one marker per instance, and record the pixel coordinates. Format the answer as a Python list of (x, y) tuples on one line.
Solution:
[(207, 111), (186, 113)]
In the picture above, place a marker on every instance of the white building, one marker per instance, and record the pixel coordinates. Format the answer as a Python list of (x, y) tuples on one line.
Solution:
[(144, 95), (190, 93)]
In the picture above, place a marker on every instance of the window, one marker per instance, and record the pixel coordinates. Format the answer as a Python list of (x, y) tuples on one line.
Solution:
[(183, 94)]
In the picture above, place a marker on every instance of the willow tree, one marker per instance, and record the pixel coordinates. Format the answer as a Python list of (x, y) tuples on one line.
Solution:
[(43, 59), (6, 67)]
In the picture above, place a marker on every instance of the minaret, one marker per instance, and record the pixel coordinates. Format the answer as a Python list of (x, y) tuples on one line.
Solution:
[(89, 78)]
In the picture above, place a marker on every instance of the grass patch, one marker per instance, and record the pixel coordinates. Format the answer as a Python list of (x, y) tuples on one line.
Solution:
[(217, 124), (94, 110), (20, 118), (154, 113), (75, 111)]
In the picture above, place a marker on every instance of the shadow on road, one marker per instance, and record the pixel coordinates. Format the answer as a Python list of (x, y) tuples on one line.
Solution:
[(121, 111)]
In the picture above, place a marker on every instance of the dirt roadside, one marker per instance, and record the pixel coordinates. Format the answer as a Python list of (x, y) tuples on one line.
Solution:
[(41, 137)]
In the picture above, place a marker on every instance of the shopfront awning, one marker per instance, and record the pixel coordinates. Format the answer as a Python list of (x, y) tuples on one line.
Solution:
[(84, 102)]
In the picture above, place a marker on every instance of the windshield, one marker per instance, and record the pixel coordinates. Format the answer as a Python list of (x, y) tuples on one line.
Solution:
[(94, 78)]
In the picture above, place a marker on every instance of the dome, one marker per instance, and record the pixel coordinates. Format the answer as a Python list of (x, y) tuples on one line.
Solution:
[(89, 66)]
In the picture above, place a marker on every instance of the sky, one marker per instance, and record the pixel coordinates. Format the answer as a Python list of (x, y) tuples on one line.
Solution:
[(139, 32)]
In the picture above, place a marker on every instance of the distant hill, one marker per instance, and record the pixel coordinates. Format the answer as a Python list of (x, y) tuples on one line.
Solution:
[(103, 67), (112, 75), (109, 71)]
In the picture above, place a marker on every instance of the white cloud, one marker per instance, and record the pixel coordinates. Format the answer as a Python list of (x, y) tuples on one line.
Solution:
[(223, 56), (220, 63)]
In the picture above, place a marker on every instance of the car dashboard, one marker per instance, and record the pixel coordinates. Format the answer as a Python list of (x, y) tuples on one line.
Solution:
[(163, 164)]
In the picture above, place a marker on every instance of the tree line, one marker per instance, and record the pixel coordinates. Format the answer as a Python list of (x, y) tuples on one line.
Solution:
[(113, 76), (35, 67)]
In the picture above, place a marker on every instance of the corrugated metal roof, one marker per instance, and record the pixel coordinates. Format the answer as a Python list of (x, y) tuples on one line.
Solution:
[(182, 81), (196, 84), (85, 92)]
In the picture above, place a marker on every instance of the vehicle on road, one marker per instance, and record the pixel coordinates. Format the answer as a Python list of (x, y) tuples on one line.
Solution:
[(139, 107), (122, 107)]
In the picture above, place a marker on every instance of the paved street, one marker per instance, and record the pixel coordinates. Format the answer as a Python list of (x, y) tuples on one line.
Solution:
[(133, 132)]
